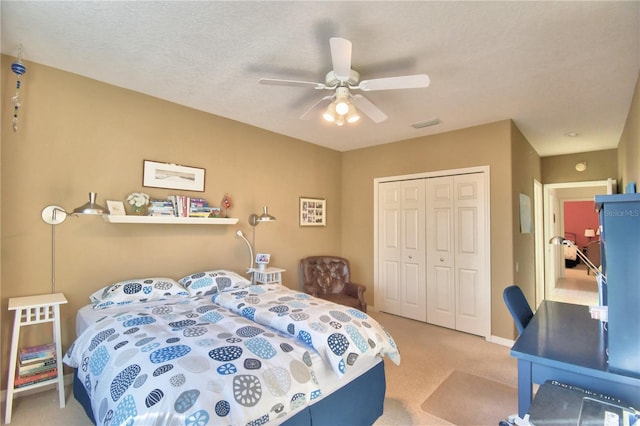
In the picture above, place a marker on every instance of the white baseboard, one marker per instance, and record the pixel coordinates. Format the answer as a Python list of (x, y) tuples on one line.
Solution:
[(68, 380), (500, 341)]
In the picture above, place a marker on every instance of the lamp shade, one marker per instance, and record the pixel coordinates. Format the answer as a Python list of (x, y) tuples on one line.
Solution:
[(589, 232), (265, 216), (91, 207)]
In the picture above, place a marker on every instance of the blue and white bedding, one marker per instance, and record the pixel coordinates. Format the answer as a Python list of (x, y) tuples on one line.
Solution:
[(191, 361), (343, 336)]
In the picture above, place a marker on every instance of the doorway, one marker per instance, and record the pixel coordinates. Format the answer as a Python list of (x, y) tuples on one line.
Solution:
[(555, 197)]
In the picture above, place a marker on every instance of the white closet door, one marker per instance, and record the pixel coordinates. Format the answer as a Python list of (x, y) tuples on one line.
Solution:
[(441, 309), (402, 238), (389, 264), (413, 250), (472, 305), (456, 287)]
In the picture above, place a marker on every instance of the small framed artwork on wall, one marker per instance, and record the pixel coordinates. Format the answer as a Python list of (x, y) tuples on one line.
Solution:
[(313, 211), (172, 176)]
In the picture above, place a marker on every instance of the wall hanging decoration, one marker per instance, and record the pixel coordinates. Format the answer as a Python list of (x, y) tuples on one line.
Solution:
[(172, 176), (19, 69), (313, 211)]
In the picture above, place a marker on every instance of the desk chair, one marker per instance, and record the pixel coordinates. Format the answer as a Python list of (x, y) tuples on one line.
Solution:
[(518, 306)]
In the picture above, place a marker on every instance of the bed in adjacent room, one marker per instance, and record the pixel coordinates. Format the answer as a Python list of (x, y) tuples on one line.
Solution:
[(570, 256), (215, 349)]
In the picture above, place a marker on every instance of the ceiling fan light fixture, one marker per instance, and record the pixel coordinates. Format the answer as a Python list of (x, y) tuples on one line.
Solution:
[(353, 116), (330, 114), (342, 106)]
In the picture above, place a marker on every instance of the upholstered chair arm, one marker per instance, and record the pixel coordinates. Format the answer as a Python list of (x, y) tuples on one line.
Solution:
[(310, 289), (355, 290)]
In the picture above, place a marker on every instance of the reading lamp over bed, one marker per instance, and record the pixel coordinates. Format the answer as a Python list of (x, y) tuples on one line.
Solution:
[(255, 220), (55, 215)]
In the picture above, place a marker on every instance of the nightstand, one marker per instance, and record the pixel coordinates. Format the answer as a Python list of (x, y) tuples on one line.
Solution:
[(31, 310), (268, 275)]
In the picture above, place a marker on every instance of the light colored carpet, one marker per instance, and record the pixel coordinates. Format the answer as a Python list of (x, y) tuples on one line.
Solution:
[(468, 400)]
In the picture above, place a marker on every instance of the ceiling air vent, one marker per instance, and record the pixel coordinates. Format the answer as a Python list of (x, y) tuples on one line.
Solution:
[(426, 123)]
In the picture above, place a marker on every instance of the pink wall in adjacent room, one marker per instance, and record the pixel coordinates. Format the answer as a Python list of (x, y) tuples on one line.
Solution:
[(578, 216)]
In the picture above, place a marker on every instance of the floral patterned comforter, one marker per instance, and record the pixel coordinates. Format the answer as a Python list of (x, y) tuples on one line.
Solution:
[(342, 336), (189, 361)]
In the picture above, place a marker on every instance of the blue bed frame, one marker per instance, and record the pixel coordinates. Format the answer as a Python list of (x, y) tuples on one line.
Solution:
[(360, 402)]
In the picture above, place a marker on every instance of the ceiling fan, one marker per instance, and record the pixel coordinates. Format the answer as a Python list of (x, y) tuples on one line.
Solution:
[(343, 104)]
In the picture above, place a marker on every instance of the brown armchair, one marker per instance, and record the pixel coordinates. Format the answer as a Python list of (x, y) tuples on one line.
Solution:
[(328, 277)]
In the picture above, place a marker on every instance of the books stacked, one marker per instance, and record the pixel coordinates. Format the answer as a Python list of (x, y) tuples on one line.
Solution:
[(36, 364), (184, 206), (199, 207), (161, 208)]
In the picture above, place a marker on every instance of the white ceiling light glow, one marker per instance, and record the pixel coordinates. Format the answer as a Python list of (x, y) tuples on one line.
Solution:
[(341, 110)]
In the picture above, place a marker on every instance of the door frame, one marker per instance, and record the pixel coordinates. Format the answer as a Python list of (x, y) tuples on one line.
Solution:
[(486, 170), (554, 222)]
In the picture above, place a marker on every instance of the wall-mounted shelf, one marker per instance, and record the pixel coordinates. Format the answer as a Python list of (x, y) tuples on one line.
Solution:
[(170, 220)]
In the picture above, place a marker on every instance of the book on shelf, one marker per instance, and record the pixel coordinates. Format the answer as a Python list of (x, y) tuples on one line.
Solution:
[(36, 353), (35, 378), (37, 367)]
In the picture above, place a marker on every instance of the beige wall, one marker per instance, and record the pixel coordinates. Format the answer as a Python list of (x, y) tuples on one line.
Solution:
[(477, 146), (78, 135), (629, 147), (525, 164), (601, 165)]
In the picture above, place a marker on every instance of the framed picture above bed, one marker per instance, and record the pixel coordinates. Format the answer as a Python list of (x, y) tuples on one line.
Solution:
[(172, 176), (313, 211)]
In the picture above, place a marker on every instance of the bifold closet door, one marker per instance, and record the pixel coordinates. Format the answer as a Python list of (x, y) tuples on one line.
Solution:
[(402, 248), (455, 224)]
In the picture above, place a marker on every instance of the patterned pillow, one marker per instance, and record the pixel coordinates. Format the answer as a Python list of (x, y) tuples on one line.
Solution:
[(140, 290), (212, 282)]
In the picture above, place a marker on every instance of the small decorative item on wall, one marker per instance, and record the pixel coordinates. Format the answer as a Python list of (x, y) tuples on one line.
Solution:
[(172, 176), (313, 211), (116, 208)]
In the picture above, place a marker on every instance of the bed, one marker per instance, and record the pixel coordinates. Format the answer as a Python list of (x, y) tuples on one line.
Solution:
[(570, 256), (212, 348)]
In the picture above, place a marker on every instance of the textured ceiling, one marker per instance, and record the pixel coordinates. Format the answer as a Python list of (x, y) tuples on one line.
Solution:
[(552, 67)]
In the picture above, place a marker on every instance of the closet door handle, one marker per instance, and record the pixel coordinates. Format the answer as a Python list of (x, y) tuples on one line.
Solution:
[(442, 259)]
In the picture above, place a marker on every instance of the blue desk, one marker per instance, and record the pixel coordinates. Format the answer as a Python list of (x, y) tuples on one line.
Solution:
[(563, 343)]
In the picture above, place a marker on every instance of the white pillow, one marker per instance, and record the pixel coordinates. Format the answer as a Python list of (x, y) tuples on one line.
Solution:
[(137, 290), (212, 282)]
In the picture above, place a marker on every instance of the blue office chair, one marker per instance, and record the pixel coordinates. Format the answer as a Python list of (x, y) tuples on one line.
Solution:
[(518, 306)]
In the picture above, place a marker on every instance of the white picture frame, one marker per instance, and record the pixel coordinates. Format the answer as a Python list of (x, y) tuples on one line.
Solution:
[(313, 211), (172, 176), (116, 208)]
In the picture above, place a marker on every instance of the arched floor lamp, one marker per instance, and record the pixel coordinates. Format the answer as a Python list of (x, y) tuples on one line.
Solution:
[(55, 215)]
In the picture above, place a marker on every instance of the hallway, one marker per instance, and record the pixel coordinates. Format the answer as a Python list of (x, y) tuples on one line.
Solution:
[(576, 287)]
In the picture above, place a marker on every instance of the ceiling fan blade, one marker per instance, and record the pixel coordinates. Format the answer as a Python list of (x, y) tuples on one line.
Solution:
[(341, 57), (372, 111), (311, 111), (403, 82), (277, 82)]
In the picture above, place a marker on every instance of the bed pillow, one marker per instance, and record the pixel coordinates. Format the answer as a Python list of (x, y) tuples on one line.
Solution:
[(212, 282), (137, 290)]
